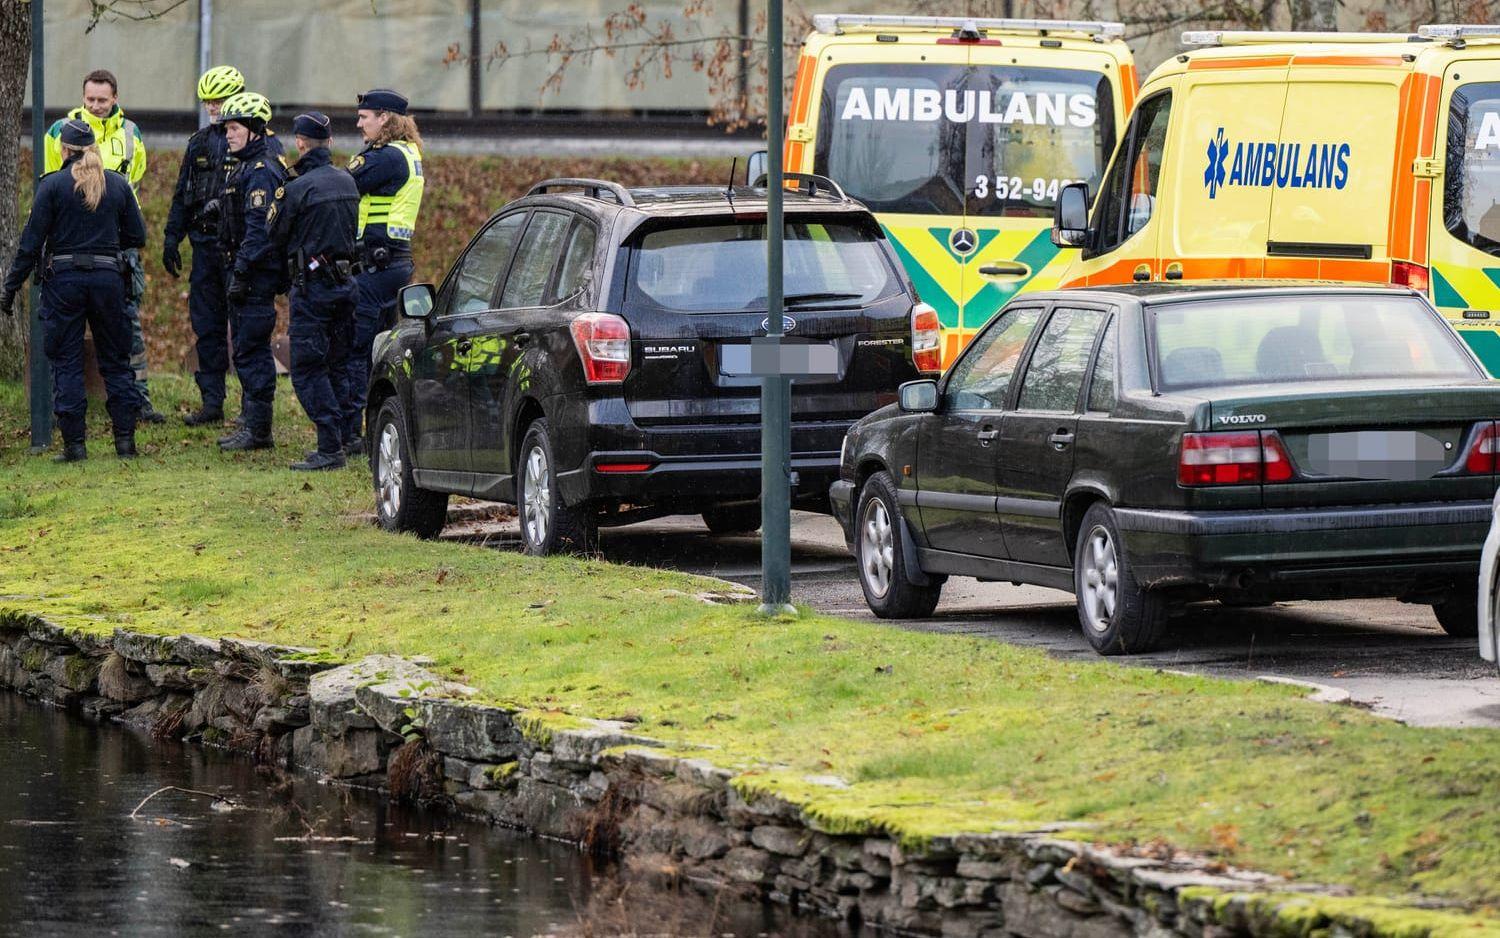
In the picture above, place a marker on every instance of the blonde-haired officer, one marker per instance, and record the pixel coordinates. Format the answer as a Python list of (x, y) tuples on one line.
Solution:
[(388, 173), (81, 222), (122, 150)]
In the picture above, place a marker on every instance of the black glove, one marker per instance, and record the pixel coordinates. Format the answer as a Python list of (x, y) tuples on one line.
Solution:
[(239, 290), (171, 258), (8, 302)]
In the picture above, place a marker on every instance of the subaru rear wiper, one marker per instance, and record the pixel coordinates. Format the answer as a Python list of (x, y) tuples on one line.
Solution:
[(799, 298)]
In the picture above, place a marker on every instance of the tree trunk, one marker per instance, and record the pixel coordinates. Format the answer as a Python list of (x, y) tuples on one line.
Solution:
[(15, 60), (1315, 15)]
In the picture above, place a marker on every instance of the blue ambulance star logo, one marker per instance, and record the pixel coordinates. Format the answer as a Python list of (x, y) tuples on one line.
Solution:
[(1218, 151)]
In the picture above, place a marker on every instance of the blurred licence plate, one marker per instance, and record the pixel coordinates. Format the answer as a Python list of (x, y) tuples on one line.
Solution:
[(737, 359), (1395, 455)]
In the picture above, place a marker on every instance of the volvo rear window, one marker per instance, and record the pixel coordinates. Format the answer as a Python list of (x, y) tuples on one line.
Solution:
[(722, 268), (954, 139), (1255, 340)]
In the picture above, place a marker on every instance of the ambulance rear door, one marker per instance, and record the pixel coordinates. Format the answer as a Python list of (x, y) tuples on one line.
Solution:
[(1218, 213), (1331, 177), (1464, 206)]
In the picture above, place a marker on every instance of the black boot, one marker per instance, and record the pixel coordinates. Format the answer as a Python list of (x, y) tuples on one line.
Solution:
[(319, 462), (149, 414), (72, 452), (204, 416), (125, 445), (246, 439), (355, 447)]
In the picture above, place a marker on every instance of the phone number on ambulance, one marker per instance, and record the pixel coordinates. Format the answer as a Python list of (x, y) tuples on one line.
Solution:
[(1013, 187)]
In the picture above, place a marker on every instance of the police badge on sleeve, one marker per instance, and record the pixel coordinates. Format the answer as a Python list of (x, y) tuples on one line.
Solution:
[(258, 198)]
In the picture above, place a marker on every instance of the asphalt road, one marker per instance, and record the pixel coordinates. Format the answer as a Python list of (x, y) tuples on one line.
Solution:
[(1386, 655)]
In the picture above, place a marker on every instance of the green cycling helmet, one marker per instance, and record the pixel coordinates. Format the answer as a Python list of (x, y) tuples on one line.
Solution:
[(220, 82), (249, 108)]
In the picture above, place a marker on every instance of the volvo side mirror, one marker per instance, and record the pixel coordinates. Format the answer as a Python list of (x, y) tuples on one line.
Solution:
[(1070, 220), (755, 167), (919, 397), (416, 300)]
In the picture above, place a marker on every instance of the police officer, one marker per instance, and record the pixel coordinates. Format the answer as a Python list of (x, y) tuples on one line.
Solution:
[(195, 213), (82, 219), (389, 175), (123, 150), (255, 273), (313, 223)]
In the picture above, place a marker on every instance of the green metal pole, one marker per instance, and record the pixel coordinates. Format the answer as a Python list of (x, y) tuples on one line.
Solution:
[(41, 373), (776, 391)]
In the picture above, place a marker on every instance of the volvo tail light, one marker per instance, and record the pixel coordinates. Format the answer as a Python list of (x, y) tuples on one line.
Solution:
[(603, 341), (1483, 450), (926, 339), (1407, 274), (1238, 457)]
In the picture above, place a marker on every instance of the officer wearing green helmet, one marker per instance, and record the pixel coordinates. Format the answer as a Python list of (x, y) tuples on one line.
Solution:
[(255, 271), (196, 207)]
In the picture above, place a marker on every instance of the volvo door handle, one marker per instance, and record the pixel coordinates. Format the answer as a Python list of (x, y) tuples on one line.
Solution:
[(465, 345), (987, 434), (1060, 439), (522, 338)]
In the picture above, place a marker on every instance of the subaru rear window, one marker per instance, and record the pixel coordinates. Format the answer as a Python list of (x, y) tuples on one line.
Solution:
[(722, 268), (1256, 340)]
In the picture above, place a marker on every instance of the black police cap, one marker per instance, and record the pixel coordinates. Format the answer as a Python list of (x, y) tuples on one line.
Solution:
[(77, 133), (383, 99), (313, 125)]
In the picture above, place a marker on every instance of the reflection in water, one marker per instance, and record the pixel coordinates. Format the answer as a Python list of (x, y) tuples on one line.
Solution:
[(313, 858)]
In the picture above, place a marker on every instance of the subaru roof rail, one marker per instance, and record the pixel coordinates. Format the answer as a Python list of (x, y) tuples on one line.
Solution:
[(1245, 37), (812, 182), (843, 22), (1455, 34), (593, 188)]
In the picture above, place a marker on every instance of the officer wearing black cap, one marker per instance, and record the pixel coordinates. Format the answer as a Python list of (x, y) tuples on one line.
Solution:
[(255, 271), (83, 217), (389, 175), (313, 223)]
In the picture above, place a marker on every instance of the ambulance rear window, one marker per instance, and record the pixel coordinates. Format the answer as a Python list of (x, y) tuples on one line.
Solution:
[(951, 139), (1471, 186), (1272, 339)]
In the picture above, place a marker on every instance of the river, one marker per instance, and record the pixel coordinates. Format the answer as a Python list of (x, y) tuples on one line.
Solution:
[(286, 855)]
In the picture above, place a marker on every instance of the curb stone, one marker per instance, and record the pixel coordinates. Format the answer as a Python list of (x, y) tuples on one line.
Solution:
[(598, 783)]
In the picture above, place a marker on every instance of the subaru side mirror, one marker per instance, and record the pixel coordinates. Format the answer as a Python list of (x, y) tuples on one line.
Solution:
[(919, 397), (1070, 220), (755, 167), (416, 301)]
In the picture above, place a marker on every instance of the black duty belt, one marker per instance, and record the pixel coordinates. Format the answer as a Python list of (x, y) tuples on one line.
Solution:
[(84, 262)]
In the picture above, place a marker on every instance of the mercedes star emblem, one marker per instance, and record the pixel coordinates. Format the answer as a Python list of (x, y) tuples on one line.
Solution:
[(962, 241)]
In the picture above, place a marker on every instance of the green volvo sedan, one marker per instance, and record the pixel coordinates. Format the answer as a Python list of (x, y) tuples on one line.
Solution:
[(1160, 444)]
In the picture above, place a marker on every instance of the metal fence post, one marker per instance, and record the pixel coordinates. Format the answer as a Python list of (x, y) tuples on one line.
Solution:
[(776, 390), (41, 372)]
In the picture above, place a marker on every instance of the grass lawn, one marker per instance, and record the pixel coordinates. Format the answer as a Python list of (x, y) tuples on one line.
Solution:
[(934, 734)]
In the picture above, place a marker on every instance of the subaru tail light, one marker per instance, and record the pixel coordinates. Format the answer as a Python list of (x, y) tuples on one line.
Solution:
[(926, 339), (603, 341)]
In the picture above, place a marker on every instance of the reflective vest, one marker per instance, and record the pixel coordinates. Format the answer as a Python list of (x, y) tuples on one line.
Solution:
[(398, 213)]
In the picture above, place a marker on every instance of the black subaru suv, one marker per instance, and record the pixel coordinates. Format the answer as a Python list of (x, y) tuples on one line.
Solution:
[(575, 360)]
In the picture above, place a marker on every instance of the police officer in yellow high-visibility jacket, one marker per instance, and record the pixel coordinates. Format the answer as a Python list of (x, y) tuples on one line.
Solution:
[(123, 151), (388, 173)]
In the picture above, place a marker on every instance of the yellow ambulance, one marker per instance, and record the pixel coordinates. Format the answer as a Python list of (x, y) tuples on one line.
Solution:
[(1364, 157), (958, 133)]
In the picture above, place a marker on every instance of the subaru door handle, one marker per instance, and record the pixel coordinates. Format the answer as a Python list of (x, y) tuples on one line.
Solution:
[(1061, 439), (522, 338), (465, 345), (986, 434)]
